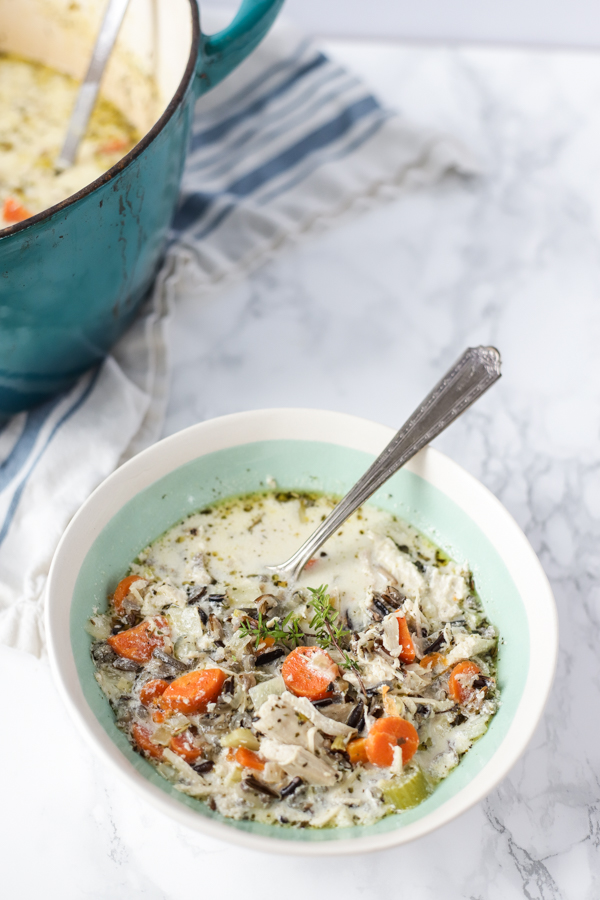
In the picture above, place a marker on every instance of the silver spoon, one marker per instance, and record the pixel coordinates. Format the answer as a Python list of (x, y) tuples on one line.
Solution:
[(88, 91), (476, 370)]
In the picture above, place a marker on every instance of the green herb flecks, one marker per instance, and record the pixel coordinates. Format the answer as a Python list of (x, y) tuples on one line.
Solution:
[(287, 630), (329, 631), (325, 625)]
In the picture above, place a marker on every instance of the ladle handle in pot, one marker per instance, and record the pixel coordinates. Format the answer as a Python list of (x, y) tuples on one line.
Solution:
[(220, 53)]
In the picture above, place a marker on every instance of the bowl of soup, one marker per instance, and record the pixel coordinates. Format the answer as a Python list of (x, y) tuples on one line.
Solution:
[(218, 693)]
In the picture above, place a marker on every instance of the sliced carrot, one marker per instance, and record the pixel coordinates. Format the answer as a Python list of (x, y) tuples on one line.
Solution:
[(192, 692), (114, 145), (357, 751), (13, 211), (140, 642), (460, 683), (248, 759), (143, 738), (308, 672), (312, 562), (407, 653), (433, 659), (389, 703), (122, 590), (387, 733), (265, 643), (183, 745), (152, 690)]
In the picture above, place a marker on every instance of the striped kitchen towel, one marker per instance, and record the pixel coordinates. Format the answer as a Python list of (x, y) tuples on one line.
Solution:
[(288, 145)]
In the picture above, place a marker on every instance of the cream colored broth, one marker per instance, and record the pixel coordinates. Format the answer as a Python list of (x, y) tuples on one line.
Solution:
[(35, 106), (237, 541), (207, 577)]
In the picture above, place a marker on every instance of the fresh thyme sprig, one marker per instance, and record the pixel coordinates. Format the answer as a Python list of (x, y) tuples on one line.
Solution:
[(329, 631), (287, 630), (325, 621), (325, 627)]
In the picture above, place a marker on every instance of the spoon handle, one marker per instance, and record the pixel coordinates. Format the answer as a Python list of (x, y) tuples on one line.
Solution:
[(88, 91), (476, 370)]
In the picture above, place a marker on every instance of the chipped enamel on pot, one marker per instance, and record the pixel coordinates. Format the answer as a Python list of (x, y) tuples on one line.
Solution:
[(74, 275)]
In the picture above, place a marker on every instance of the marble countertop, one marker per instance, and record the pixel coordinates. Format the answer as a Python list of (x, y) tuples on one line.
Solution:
[(364, 319)]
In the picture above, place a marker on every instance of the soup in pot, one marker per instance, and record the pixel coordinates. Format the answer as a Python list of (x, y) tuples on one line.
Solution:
[(35, 106)]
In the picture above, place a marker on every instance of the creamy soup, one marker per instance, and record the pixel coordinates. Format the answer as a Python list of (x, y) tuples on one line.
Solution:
[(332, 701), (35, 106)]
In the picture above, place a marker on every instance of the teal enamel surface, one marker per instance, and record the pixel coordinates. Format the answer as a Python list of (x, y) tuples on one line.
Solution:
[(310, 466), (222, 52), (71, 282)]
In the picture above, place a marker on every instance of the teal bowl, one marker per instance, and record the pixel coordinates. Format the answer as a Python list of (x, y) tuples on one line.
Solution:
[(310, 450)]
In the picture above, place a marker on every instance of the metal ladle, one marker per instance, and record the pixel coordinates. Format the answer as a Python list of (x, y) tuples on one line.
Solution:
[(476, 370), (88, 91)]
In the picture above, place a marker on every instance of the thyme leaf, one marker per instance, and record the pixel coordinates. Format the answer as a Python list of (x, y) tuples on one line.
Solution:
[(325, 621), (329, 631), (287, 630)]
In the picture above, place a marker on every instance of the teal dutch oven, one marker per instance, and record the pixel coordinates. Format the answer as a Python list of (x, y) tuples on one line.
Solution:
[(73, 276)]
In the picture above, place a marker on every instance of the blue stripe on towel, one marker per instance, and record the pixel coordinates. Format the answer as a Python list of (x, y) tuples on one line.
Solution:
[(301, 106), (19, 455), (192, 210), (196, 204), (316, 140), (217, 132), (298, 176), (12, 508), (259, 83)]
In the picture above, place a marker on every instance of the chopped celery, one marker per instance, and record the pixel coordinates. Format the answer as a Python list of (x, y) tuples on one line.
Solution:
[(184, 622), (260, 692), (99, 627), (406, 790), (240, 737)]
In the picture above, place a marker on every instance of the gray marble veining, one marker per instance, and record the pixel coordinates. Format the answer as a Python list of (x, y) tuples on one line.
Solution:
[(365, 319)]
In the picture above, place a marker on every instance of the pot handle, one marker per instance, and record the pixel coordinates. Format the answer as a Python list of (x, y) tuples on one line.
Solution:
[(220, 53)]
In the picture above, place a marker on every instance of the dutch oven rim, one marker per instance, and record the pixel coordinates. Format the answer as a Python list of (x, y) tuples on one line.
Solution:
[(136, 151)]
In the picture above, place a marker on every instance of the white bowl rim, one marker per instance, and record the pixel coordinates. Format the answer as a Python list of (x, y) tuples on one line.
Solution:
[(347, 431)]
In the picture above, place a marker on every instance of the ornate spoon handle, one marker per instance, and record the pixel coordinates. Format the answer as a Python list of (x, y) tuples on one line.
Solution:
[(476, 370)]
